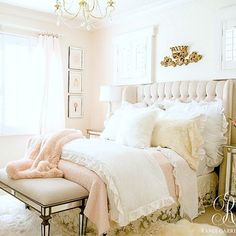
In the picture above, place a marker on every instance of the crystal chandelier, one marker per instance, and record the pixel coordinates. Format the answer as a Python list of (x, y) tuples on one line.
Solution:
[(84, 10)]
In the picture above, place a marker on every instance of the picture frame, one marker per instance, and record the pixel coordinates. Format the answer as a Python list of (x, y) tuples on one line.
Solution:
[(75, 58), (75, 106), (133, 57), (75, 82)]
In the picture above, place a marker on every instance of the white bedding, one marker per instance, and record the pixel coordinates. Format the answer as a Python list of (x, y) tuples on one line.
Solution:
[(133, 195), (203, 168), (132, 192), (186, 179)]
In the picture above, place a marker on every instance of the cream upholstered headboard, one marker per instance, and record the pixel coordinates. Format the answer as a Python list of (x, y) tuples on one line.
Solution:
[(184, 91)]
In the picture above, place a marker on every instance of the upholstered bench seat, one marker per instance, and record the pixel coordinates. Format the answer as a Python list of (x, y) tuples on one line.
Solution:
[(47, 196), (45, 191)]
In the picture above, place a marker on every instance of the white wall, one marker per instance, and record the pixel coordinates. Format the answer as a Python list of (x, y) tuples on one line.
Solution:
[(12, 147), (194, 23)]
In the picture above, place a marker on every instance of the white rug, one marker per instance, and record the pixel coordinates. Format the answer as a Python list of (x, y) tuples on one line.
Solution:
[(184, 228), (15, 220)]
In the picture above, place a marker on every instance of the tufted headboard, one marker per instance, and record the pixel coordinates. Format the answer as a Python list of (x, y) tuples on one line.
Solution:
[(184, 91)]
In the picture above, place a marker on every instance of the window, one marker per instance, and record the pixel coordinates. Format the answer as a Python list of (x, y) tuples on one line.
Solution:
[(229, 45), (20, 85)]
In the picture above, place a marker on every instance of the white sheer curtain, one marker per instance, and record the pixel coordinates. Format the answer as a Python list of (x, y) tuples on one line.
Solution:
[(19, 88), (31, 85), (52, 115)]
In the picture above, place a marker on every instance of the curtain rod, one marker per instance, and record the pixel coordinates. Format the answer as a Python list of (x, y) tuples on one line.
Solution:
[(27, 29)]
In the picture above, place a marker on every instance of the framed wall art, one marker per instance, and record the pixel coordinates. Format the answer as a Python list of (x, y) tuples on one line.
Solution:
[(74, 81), (75, 58), (75, 106), (134, 57)]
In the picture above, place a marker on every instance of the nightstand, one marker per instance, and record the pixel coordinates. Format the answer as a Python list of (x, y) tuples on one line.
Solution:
[(93, 133), (227, 185)]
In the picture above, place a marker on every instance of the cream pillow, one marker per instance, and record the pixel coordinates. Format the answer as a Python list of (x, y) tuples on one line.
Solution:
[(182, 136), (136, 128)]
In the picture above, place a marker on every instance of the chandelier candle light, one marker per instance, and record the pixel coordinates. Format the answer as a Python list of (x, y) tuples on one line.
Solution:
[(84, 10)]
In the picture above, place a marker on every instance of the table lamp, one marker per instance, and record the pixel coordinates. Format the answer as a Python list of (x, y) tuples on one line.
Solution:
[(110, 94)]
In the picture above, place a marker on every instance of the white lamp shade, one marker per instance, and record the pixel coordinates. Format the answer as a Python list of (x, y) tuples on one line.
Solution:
[(110, 93)]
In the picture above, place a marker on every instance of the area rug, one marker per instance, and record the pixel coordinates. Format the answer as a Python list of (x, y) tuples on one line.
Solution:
[(184, 228), (15, 220)]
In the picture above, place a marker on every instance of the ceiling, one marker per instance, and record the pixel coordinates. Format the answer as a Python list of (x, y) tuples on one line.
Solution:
[(122, 6)]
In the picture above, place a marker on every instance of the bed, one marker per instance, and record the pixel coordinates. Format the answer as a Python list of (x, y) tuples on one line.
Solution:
[(207, 180), (207, 194)]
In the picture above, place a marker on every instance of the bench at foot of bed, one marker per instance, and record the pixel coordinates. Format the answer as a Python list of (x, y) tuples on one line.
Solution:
[(47, 197)]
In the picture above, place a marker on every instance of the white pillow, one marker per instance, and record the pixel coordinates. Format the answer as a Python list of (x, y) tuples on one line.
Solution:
[(164, 104), (136, 128), (213, 125), (133, 105), (112, 125)]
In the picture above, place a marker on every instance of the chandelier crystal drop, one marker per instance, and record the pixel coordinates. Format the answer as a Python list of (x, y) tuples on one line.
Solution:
[(85, 10)]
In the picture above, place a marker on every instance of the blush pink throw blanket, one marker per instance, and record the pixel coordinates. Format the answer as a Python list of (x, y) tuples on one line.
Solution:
[(42, 156), (97, 205)]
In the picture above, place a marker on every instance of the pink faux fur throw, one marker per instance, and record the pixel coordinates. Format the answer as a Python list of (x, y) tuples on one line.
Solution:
[(42, 156)]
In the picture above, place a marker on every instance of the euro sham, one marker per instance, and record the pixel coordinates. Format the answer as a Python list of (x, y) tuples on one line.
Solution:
[(182, 136)]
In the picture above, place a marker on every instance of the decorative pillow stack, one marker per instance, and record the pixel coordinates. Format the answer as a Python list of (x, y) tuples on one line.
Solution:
[(213, 124), (195, 130)]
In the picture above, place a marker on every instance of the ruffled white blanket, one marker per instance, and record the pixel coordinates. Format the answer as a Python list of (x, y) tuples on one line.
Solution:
[(135, 182)]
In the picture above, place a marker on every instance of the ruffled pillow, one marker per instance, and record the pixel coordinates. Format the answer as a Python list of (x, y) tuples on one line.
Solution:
[(182, 136), (215, 125)]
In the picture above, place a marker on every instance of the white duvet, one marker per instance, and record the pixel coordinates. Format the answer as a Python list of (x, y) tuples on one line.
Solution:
[(132, 190)]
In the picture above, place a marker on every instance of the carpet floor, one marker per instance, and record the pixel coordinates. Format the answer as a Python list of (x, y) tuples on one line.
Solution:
[(15, 220)]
